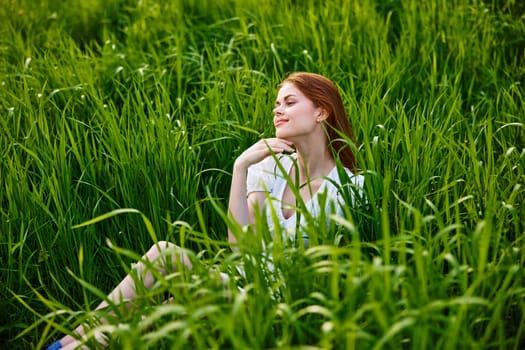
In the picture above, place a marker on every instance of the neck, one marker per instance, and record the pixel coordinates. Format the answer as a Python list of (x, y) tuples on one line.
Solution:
[(313, 162)]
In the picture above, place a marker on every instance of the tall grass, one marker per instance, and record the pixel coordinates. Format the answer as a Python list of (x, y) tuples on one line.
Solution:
[(145, 104)]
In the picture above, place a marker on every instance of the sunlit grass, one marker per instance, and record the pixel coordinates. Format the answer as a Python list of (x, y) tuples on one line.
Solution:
[(145, 104)]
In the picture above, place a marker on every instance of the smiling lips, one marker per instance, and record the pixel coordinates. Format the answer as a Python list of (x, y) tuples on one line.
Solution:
[(279, 121)]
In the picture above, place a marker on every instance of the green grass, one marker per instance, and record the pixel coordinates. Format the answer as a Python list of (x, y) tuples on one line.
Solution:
[(116, 104)]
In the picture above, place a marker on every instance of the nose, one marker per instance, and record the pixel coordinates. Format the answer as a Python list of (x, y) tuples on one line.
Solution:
[(277, 110)]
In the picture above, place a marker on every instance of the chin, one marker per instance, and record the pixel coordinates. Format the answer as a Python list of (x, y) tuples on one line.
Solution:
[(282, 134)]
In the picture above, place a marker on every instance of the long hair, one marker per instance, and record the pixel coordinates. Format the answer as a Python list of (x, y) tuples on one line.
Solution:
[(323, 93)]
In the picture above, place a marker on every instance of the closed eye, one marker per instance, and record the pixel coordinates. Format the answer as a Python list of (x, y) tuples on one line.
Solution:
[(287, 100)]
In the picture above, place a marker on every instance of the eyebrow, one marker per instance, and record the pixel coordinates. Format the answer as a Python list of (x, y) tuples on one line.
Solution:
[(285, 98)]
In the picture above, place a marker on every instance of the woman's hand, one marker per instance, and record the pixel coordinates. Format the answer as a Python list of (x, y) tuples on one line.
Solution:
[(241, 206), (262, 149)]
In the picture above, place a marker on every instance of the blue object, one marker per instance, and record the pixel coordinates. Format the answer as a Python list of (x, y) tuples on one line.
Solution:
[(55, 346)]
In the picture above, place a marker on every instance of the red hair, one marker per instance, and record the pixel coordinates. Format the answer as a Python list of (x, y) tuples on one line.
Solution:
[(323, 93)]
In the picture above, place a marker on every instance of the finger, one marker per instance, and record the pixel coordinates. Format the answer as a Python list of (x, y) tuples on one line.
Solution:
[(285, 141), (276, 142), (284, 146)]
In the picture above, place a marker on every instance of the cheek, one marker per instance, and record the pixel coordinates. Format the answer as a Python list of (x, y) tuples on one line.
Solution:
[(306, 114)]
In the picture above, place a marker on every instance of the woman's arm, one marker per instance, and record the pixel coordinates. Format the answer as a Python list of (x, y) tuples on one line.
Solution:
[(241, 205)]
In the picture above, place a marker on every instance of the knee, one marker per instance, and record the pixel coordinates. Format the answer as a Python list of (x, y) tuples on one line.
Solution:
[(176, 256), (156, 249)]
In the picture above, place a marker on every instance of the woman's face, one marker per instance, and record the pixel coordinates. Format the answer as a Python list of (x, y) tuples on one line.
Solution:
[(294, 114)]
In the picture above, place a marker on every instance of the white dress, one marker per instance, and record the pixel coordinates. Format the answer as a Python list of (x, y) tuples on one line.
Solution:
[(267, 176)]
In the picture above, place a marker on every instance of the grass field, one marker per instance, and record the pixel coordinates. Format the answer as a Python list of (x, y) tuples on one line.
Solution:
[(137, 109)]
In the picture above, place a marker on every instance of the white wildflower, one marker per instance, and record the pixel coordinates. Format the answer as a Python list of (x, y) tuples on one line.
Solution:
[(27, 62)]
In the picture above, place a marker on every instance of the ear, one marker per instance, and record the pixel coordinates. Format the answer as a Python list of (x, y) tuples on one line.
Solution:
[(322, 115)]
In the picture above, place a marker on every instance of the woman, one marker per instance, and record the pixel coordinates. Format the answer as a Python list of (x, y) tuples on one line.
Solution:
[(309, 120)]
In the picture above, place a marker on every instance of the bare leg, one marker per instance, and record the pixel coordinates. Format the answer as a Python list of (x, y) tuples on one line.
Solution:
[(126, 290), (75, 344)]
